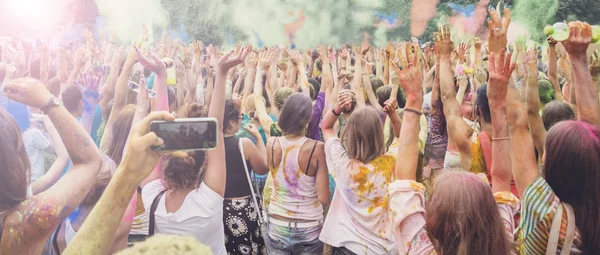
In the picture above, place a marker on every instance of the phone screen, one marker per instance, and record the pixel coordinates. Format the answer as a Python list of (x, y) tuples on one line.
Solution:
[(186, 134)]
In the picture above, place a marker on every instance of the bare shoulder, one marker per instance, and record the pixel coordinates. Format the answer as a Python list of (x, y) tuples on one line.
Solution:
[(31, 223)]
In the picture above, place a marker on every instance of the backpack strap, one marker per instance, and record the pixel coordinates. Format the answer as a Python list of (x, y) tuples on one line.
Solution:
[(152, 224)]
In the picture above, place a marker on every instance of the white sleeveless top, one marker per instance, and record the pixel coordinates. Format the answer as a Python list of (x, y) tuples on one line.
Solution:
[(69, 232), (294, 193)]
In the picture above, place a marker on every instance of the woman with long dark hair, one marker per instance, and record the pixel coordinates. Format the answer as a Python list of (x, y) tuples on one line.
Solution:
[(300, 183), (240, 209)]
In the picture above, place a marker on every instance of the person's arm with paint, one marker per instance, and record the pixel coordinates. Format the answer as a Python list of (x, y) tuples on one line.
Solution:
[(57, 202)]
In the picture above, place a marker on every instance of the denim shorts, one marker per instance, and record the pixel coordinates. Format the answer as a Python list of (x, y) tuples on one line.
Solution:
[(291, 241)]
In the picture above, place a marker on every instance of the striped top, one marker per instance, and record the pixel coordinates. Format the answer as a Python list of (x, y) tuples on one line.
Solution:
[(539, 205)]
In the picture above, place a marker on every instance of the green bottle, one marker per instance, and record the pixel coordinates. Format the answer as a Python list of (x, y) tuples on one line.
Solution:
[(560, 32)]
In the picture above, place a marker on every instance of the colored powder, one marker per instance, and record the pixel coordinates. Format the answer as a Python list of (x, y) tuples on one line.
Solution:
[(545, 11), (125, 18)]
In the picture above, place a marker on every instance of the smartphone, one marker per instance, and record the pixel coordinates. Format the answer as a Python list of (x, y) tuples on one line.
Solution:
[(136, 87), (186, 134)]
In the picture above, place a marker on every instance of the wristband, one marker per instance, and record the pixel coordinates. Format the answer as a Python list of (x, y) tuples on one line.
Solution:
[(335, 113), (407, 109), (500, 138)]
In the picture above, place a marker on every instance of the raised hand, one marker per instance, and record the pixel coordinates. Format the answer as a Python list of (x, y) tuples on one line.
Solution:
[(187, 56), (322, 52), (410, 79), (498, 27), (580, 38), (28, 91), (500, 71), (443, 43), (520, 44), (595, 64), (90, 88), (462, 50), (10, 72), (344, 54), (296, 57), (343, 104), (253, 130), (153, 63), (390, 106), (143, 96), (80, 57), (264, 58), (531, 62), (197, 48), (87, 35), (139, 159), (228, 61)]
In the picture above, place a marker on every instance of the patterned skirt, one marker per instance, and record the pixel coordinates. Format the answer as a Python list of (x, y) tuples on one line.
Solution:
[(242, 227)]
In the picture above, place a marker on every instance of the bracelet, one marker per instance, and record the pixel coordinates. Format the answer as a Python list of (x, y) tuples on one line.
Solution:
[(407, 109), (335, 113), (500, 138)]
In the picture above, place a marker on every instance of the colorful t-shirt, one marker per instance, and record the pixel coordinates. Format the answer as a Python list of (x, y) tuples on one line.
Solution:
[(407, 199), (360, 202), (540, 204), (478, 165)]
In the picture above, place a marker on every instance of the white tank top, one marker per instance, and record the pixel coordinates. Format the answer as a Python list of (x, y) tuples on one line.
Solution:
[(294, 193), (69, 232)]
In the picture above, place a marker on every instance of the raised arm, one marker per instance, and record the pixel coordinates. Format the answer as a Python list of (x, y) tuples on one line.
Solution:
[(500, 74), (215, 170), (250, 65), (459, 132), (588, 106), (120, 98), (302, 78), (553, 69), (344, 102), (57, 168), (357, 82), (407, 157), (261, 109), (91, 98), (80, 60), (97, 233), (56, 203), (532, 97), (524, 167)]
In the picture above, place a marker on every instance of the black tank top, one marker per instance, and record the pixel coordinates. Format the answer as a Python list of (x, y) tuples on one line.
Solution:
[(237, 182)]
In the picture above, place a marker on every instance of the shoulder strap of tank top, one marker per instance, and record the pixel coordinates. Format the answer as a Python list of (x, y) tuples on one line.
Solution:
[(273, 152), (152, 223), (310, 157), (55, 240)]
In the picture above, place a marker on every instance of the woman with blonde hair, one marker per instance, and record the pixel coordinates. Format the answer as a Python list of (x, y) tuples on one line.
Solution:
[(362, 171)]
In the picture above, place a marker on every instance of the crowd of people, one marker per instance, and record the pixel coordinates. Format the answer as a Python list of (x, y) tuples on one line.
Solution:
[(476, 148)]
